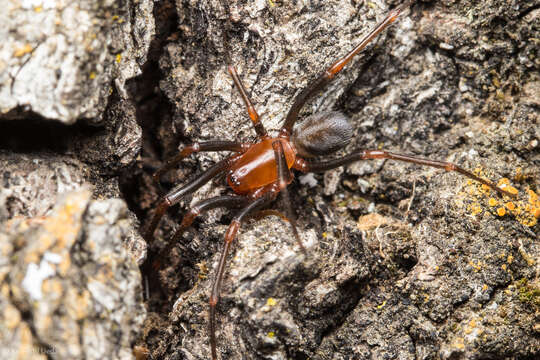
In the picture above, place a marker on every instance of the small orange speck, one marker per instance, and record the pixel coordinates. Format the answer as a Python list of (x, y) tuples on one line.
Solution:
[(27, 48), (533, 197), (503, 181), (510, 206), (475, 209), (501, 211), (492, 202), (536, 213), (38, 9), (512, 190), (477, 267), (484, 288), (510, 259), (485, 187), (503, 266), (118, 58), (92, 75), (459, 343), (519, 174), (271, 302)]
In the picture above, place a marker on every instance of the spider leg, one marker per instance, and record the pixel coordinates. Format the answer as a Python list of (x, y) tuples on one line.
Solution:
[(229, 237), (227, 201), (178, 192), (198, 147), (305, 166), (285, 177), (319, 83), (259, 128)]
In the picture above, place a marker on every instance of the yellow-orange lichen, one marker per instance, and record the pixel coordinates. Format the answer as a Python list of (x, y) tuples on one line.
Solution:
[(524, 210), (271, 302), (533, 197), (519, 175), (25, 49), (475, 208), (512, 190), (503, 182)]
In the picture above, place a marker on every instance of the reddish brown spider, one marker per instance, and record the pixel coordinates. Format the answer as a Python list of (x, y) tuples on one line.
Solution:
[(258, 171)]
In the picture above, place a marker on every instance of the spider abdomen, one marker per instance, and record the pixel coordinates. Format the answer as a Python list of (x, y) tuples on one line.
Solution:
[(257, 166), (322, 134)]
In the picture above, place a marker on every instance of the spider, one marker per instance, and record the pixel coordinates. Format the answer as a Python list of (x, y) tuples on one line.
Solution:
[(257, 172)]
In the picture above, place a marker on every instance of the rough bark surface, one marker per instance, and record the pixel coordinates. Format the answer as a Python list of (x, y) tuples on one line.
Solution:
[(404, 262), (60, 59)]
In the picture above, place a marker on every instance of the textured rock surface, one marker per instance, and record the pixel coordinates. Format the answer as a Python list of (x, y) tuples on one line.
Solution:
[(60, 59), (31, 185), (404, 262), (69, 288)]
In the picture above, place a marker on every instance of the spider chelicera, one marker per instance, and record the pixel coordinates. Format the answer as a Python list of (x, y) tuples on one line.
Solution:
[(257, 172)]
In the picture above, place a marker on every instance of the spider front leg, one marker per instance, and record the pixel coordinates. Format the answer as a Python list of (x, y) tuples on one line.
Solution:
[(196, 147), (305, 166), (176, 194), (253, 115)]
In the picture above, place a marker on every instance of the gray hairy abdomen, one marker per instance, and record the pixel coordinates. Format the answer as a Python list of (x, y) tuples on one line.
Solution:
[(322, 134)]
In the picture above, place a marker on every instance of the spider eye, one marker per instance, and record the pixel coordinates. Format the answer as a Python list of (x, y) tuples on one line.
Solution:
[(322, 134)]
